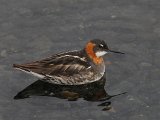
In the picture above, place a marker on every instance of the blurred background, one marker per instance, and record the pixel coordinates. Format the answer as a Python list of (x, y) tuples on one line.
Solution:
[(34, 29)]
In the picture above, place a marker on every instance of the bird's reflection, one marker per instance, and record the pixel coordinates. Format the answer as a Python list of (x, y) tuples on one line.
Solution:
[(90, 92)]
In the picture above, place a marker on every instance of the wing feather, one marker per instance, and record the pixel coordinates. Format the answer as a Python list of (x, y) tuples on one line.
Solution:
[(68, 69)]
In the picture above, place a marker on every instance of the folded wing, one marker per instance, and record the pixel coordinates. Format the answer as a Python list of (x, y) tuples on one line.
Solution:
[(62, 69)]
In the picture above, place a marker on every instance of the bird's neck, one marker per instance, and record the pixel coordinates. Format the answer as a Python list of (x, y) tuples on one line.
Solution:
[(90, 52)]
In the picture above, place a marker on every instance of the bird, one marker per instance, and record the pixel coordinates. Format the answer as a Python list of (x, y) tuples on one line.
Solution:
[(76, 67)]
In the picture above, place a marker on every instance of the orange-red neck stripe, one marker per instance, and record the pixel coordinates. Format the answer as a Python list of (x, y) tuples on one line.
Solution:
[(89, 50)]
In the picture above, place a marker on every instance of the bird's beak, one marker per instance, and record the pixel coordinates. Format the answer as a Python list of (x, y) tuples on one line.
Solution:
[(112, 51)]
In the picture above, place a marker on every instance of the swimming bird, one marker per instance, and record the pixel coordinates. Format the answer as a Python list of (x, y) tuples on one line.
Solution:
[(71, 68)]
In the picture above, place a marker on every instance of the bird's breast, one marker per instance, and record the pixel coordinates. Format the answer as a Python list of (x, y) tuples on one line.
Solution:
[(100, 68)]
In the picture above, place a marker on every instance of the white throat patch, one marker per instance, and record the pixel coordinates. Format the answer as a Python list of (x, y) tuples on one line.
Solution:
[(100, 53)]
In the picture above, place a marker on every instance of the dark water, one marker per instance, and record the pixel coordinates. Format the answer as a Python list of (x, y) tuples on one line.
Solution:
[(90, 92), (34, 29)]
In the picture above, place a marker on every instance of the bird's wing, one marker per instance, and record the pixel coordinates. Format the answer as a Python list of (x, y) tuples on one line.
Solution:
[(67, 69)]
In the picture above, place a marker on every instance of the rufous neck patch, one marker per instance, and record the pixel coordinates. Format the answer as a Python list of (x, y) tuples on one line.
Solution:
[(89, 50)]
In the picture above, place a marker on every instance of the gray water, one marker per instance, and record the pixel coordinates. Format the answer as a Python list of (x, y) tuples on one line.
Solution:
[(34, 29)]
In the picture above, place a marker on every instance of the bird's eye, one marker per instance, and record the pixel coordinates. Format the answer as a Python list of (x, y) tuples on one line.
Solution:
[(101, 46)]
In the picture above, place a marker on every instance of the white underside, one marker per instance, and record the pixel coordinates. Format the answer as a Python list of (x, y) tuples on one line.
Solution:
[(32, 73), (56, 79)]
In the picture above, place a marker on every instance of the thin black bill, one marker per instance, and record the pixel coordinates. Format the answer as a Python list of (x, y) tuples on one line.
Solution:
[(116, 52)]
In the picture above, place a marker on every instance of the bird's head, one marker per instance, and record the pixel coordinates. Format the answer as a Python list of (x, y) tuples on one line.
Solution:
[(97, 48)]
